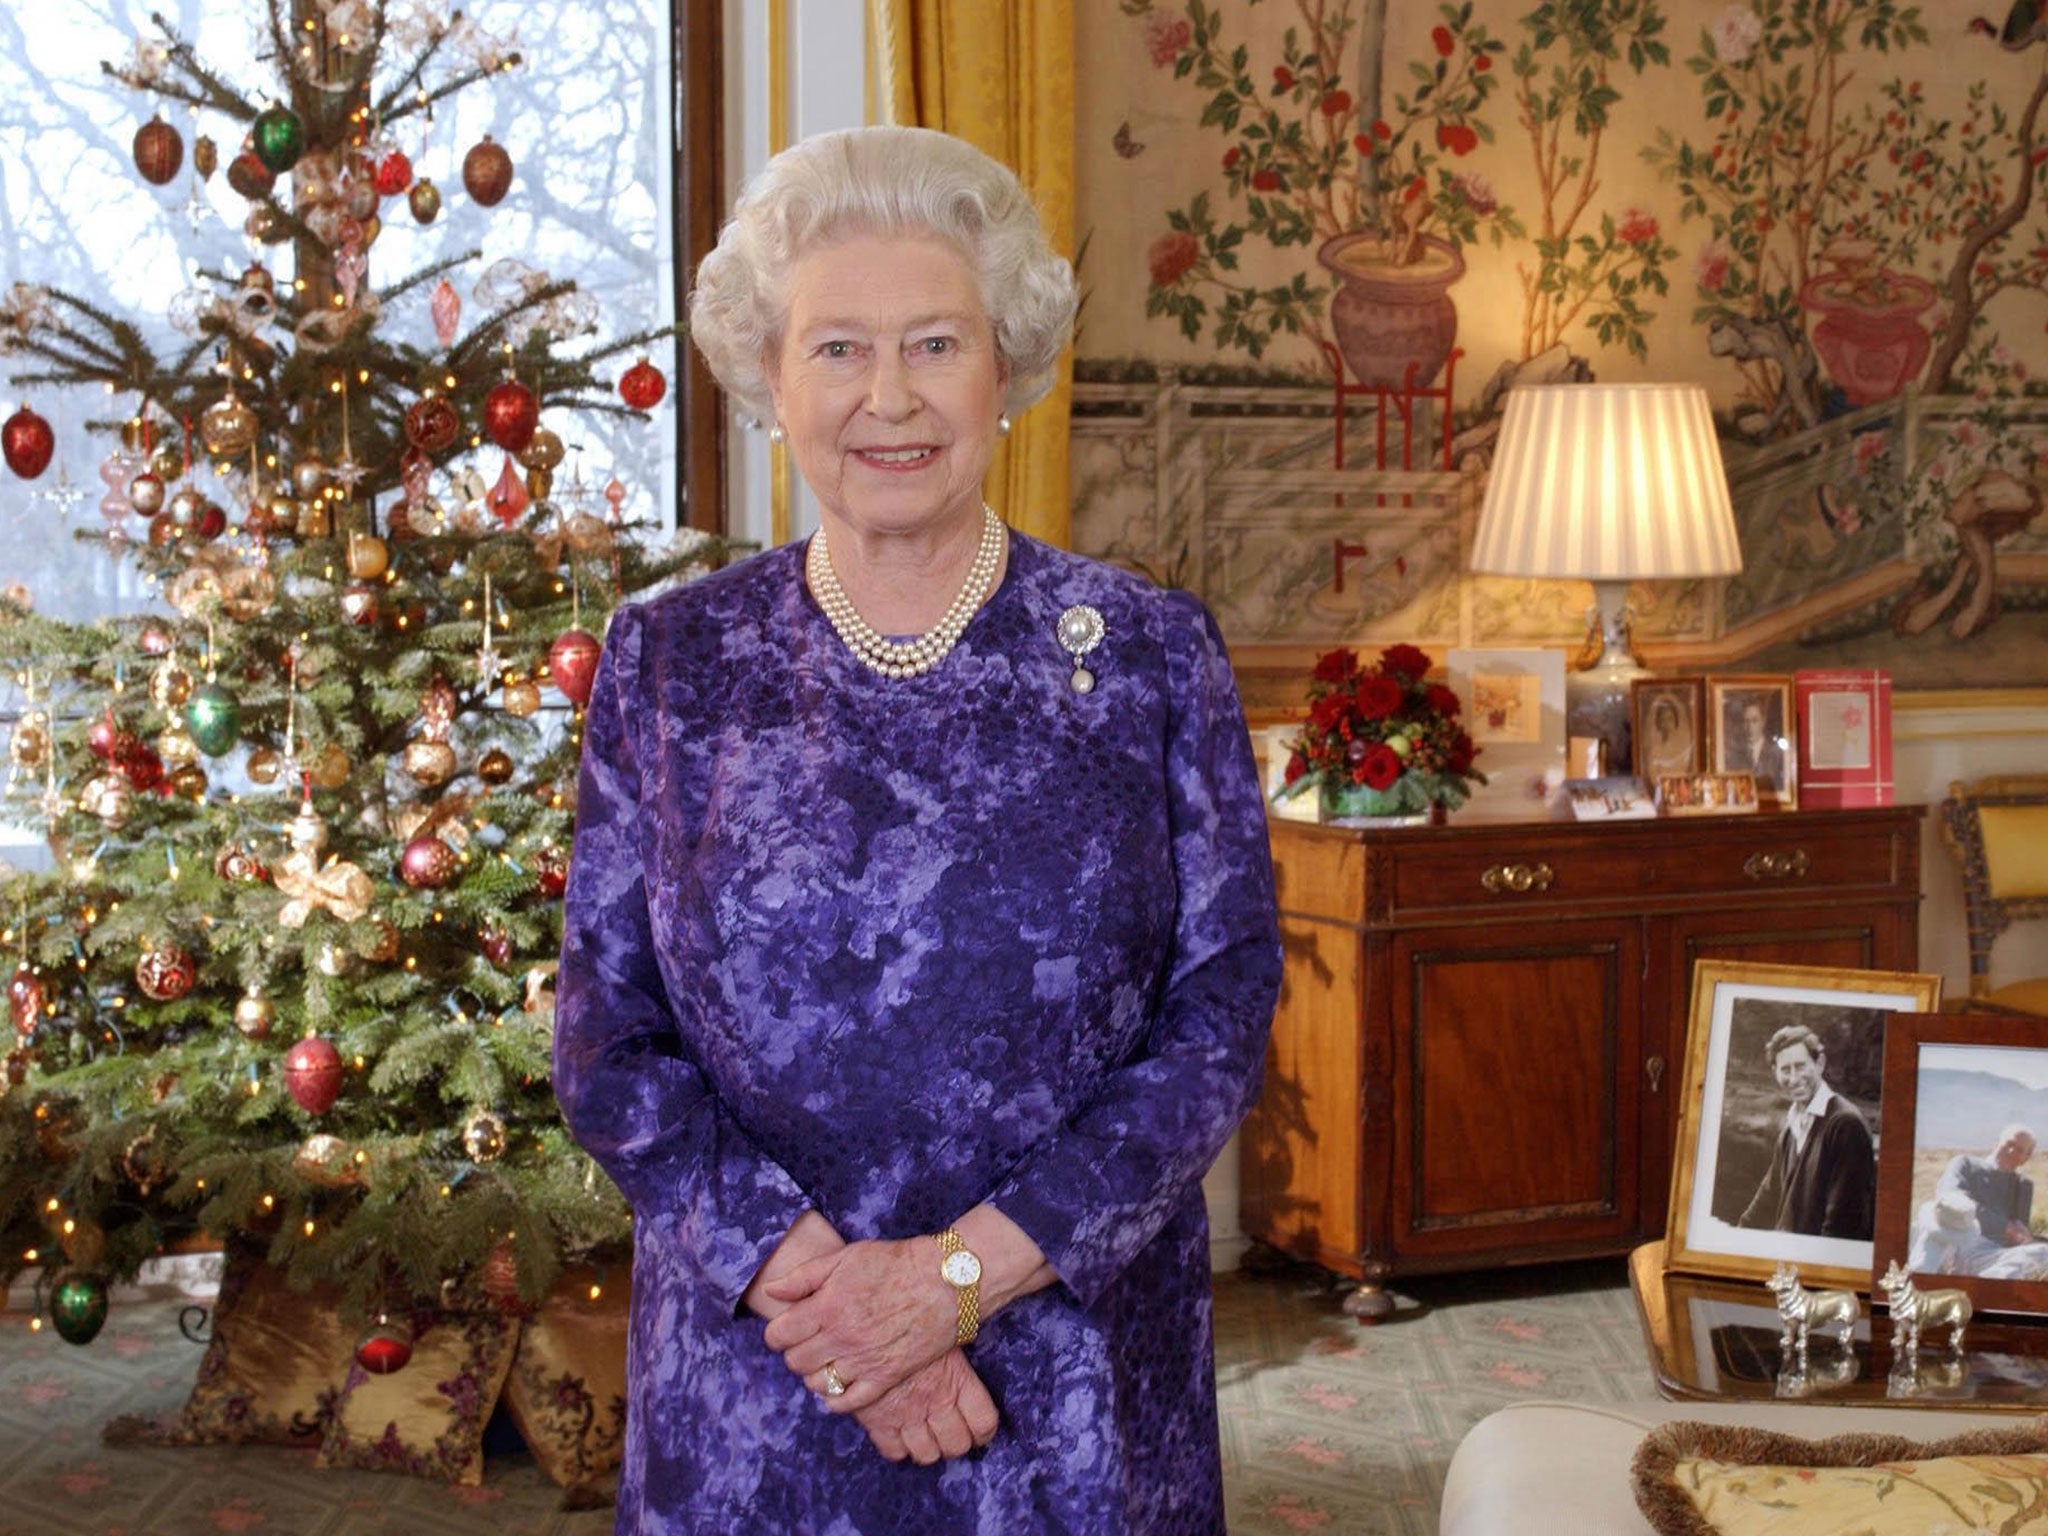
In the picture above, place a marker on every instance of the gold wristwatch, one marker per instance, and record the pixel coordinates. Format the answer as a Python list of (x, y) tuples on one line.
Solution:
[(961, 1270)]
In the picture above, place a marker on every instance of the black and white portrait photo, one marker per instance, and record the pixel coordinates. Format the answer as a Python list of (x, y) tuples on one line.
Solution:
[(1752, 735), (1667, 727)]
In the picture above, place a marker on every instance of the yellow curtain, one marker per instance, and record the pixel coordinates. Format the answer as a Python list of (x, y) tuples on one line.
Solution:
[(1000, 74)]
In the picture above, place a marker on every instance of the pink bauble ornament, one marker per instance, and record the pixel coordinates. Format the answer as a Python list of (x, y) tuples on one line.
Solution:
[(427, 863), (446, 306), (572, 663)]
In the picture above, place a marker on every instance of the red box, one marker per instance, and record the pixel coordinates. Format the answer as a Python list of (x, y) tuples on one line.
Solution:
[(1845, 737)]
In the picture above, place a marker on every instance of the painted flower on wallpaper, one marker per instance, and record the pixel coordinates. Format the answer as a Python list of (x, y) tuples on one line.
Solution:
[(1638, 226), (1736, 32), (1165, 37), (1477, 192), (1172, 257), (1710, 266)]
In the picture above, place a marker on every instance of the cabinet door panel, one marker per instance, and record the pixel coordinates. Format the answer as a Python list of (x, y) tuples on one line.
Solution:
[(1514, 1087)]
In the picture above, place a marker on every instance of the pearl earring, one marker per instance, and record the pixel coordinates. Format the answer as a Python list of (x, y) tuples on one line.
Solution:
[(775, 433), (1003, 425)]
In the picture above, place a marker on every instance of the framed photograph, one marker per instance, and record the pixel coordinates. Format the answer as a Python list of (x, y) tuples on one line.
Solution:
[(1514, 709), (1669, 725), (1751, 729), (1706, 794), (1619, 797), (1962, 1178), (1780, 1105)]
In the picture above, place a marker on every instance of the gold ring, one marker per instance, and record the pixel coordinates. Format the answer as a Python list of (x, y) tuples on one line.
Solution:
[(834, 1387)]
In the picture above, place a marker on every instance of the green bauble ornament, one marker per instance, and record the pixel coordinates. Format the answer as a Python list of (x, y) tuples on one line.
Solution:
[(278, 138), (78, 1308), (213, 716)]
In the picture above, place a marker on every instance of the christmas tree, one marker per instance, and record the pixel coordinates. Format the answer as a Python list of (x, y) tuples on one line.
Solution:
[(288, 977)]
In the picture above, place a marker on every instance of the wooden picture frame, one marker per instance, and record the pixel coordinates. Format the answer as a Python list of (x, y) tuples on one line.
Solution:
[(1753, 728), (1947, 1076), (1706, 794), (1725, 1208), (1667, 724)]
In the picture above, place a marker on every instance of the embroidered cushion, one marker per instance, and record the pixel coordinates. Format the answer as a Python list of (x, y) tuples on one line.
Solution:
[(428, 1418)]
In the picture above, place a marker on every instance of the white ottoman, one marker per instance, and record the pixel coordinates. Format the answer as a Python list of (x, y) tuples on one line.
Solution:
[(1561, 1469)]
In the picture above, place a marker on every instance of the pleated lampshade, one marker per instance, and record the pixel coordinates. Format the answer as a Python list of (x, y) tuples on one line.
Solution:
[(1607, 482)]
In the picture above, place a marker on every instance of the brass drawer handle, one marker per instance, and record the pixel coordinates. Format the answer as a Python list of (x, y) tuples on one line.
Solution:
[(1654, 1070), (1776, 866), (1518, 878)]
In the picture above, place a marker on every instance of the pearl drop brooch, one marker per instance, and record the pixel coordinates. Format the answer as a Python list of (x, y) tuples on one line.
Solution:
[(1080, 630)]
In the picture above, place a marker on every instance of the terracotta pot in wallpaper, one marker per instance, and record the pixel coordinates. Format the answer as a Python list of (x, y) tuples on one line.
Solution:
[(1387, 317), (1868, 330)]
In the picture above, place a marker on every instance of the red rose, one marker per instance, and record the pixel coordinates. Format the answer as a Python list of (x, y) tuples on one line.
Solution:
[(1297, 765), (1283, 77), (1440, 699), (1404, 661), (1326, 713), (1266, 181), (1335, 666), (1459, 758), (1446, 45), (1638, 226), (1172, 254), (1165, 37), (1381, 767), (1378, 697), (1336, 104), (1231, 156), (1457, 138)]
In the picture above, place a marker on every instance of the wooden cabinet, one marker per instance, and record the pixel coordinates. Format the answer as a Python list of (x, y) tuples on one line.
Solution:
[(1476, 1050)]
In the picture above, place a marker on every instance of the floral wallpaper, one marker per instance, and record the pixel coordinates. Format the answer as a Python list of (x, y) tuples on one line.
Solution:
[(1323, 237)]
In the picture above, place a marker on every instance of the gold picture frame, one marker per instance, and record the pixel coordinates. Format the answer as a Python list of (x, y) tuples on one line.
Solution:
[(1669, 725), (1753, 727), (1733, 1121)]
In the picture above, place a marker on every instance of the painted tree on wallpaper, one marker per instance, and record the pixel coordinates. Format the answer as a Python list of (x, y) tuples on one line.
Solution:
[(1323, 154)]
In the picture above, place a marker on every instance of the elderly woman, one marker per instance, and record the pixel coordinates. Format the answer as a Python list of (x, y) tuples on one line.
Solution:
[(920, 943)]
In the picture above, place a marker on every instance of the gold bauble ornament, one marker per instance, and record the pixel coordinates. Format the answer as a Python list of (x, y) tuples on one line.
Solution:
[(174, 744), (255, 1013), (424, 200), (264, 765), (521, 696), (543, 451), (316, 518), (310, 475), (188, 781), (539, 483), (430, 762), (109, 797), (329, 768), (247, 592), (170, 685), (205, 157), (368, 556), (495, 766), (29, 744), (483, 1137), (326, 1161), (168, 462), (228, 428), (146, 493)]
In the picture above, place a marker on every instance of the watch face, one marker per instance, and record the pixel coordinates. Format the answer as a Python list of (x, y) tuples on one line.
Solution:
[(961, 1269)]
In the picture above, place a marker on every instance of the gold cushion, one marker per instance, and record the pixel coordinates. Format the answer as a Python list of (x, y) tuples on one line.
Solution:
[(2015, 850), (2031, 996), (1693, 1479), (274, 1365), (427, 1418), (567, 1390)]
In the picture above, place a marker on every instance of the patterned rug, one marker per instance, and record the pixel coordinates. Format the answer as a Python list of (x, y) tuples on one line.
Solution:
[(1326, 1426)]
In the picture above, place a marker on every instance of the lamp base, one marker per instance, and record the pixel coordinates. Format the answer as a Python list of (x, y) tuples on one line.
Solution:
[(1599, 700)]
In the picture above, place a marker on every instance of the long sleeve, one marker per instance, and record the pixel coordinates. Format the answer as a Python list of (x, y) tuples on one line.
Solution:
[(628, 1085), (1102, 1185), (1847, 1166)]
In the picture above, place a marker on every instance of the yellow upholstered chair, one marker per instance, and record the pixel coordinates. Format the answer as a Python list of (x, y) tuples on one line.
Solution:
[(1998, 829)]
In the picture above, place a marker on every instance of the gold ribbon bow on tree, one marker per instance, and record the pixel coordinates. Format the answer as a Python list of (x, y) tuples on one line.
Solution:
[(339, 887), (582, 535)]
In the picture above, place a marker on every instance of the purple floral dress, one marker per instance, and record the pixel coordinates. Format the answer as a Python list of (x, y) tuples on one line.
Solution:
[(891, 948)]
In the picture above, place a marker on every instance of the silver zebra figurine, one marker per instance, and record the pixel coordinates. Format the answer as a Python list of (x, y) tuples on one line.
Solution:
[(1805, 1311), (1914, 1309)]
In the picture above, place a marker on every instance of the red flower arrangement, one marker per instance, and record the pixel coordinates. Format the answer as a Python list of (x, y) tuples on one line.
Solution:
[(1379, 740)]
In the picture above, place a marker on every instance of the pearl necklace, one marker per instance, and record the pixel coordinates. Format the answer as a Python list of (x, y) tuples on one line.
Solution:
[(914, 657)]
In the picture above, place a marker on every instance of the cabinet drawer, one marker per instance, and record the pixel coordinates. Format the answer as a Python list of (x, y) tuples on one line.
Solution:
[(1540, 870)]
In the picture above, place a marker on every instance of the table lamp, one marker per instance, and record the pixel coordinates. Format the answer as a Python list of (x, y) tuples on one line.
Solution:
[(1610, 483)]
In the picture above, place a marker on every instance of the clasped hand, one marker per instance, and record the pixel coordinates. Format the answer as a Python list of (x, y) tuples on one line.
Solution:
[(879, 1314)]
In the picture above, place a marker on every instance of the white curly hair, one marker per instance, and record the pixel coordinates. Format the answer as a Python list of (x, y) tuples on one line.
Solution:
[(880, 181)]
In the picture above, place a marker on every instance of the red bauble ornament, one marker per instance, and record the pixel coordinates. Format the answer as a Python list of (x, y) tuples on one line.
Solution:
[(106, 738), (158, 151), (25, 999), (572, 662), (642, 386), (427, 864), (250, 176), (165, 973), (496, 944), (507, 499), (138, 763), (394, 174), (384, 1348), (487, 172), (551, 870), (431, 425), (27, 443), (312, 1074), (511, 415)]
